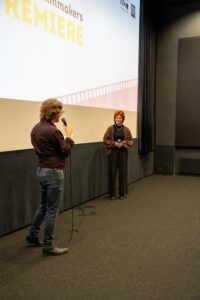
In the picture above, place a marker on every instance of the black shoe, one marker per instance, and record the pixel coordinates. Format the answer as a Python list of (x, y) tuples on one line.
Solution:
[(55, 251), (32, 241)]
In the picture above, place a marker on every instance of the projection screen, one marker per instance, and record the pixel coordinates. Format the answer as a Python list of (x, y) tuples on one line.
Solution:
[(84, 53)]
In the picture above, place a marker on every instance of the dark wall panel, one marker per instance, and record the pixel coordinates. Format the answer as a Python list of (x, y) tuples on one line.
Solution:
[(85, 179), (188, 93), (164, 160), (19, 189)]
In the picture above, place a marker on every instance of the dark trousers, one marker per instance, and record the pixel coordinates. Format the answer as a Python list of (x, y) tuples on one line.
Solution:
[(117, 161)]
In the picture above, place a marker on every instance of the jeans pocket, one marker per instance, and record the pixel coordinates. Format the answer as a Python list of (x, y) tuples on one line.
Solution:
[(50, 176)]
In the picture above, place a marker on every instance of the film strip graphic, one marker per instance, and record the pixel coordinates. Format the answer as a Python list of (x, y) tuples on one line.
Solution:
[(94, 93)]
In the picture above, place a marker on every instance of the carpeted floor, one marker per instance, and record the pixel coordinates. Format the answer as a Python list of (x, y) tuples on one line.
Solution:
[(146, 247)]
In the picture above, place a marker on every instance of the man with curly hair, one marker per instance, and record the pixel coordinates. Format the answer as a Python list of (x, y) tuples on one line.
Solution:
[(51, 148)]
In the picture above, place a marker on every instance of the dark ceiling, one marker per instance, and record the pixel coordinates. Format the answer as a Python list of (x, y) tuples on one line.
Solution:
[(176, 2)]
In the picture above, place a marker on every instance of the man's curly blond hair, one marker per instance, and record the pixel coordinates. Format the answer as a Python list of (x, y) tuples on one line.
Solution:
[(50, 108)]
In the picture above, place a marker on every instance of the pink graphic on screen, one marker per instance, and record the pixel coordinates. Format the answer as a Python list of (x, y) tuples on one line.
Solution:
[(119, 95)]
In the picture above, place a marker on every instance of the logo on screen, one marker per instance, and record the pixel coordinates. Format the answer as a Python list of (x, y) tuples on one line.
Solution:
[(124, 4), (132, 10)]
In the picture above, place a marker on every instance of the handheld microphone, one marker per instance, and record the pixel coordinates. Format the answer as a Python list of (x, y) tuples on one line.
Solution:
[(64, 121)]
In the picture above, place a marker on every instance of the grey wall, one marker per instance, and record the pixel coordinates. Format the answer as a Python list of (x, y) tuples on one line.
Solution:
[(174, 22)]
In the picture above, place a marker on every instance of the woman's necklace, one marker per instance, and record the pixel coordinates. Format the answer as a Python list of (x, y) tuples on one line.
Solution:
[(118, 128)]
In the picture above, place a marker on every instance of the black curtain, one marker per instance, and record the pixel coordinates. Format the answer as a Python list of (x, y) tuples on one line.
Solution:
[(146, 92)]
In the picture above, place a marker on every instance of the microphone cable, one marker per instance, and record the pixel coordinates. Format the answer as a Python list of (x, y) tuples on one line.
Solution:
[(92, 208), (72, 208)]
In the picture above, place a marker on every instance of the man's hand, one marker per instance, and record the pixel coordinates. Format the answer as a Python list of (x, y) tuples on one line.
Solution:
[(68, 130)]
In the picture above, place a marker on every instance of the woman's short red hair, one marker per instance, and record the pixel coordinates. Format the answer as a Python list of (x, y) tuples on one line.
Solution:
[(119, 113)]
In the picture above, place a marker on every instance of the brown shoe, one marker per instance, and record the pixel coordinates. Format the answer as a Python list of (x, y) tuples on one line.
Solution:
[(55, 251)]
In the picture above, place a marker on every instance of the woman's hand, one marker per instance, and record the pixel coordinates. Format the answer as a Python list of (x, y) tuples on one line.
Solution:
[(123, 143), (119, 144)]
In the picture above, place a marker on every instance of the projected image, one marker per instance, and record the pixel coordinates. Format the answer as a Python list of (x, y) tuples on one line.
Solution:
[(82, 52)]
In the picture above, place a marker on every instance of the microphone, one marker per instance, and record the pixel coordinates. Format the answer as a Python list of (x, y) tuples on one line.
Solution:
[(64, 121)]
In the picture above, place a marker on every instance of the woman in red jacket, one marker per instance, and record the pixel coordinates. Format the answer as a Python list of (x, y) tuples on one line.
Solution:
[(118, 139)]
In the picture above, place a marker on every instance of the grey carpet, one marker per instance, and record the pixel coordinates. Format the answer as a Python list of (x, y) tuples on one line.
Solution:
[(146, 247)]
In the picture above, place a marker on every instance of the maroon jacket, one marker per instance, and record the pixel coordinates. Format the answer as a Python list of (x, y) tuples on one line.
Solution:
[(109, 139), (50, 145)]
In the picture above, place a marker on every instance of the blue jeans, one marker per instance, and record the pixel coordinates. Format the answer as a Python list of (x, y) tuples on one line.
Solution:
[(51, 183)]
